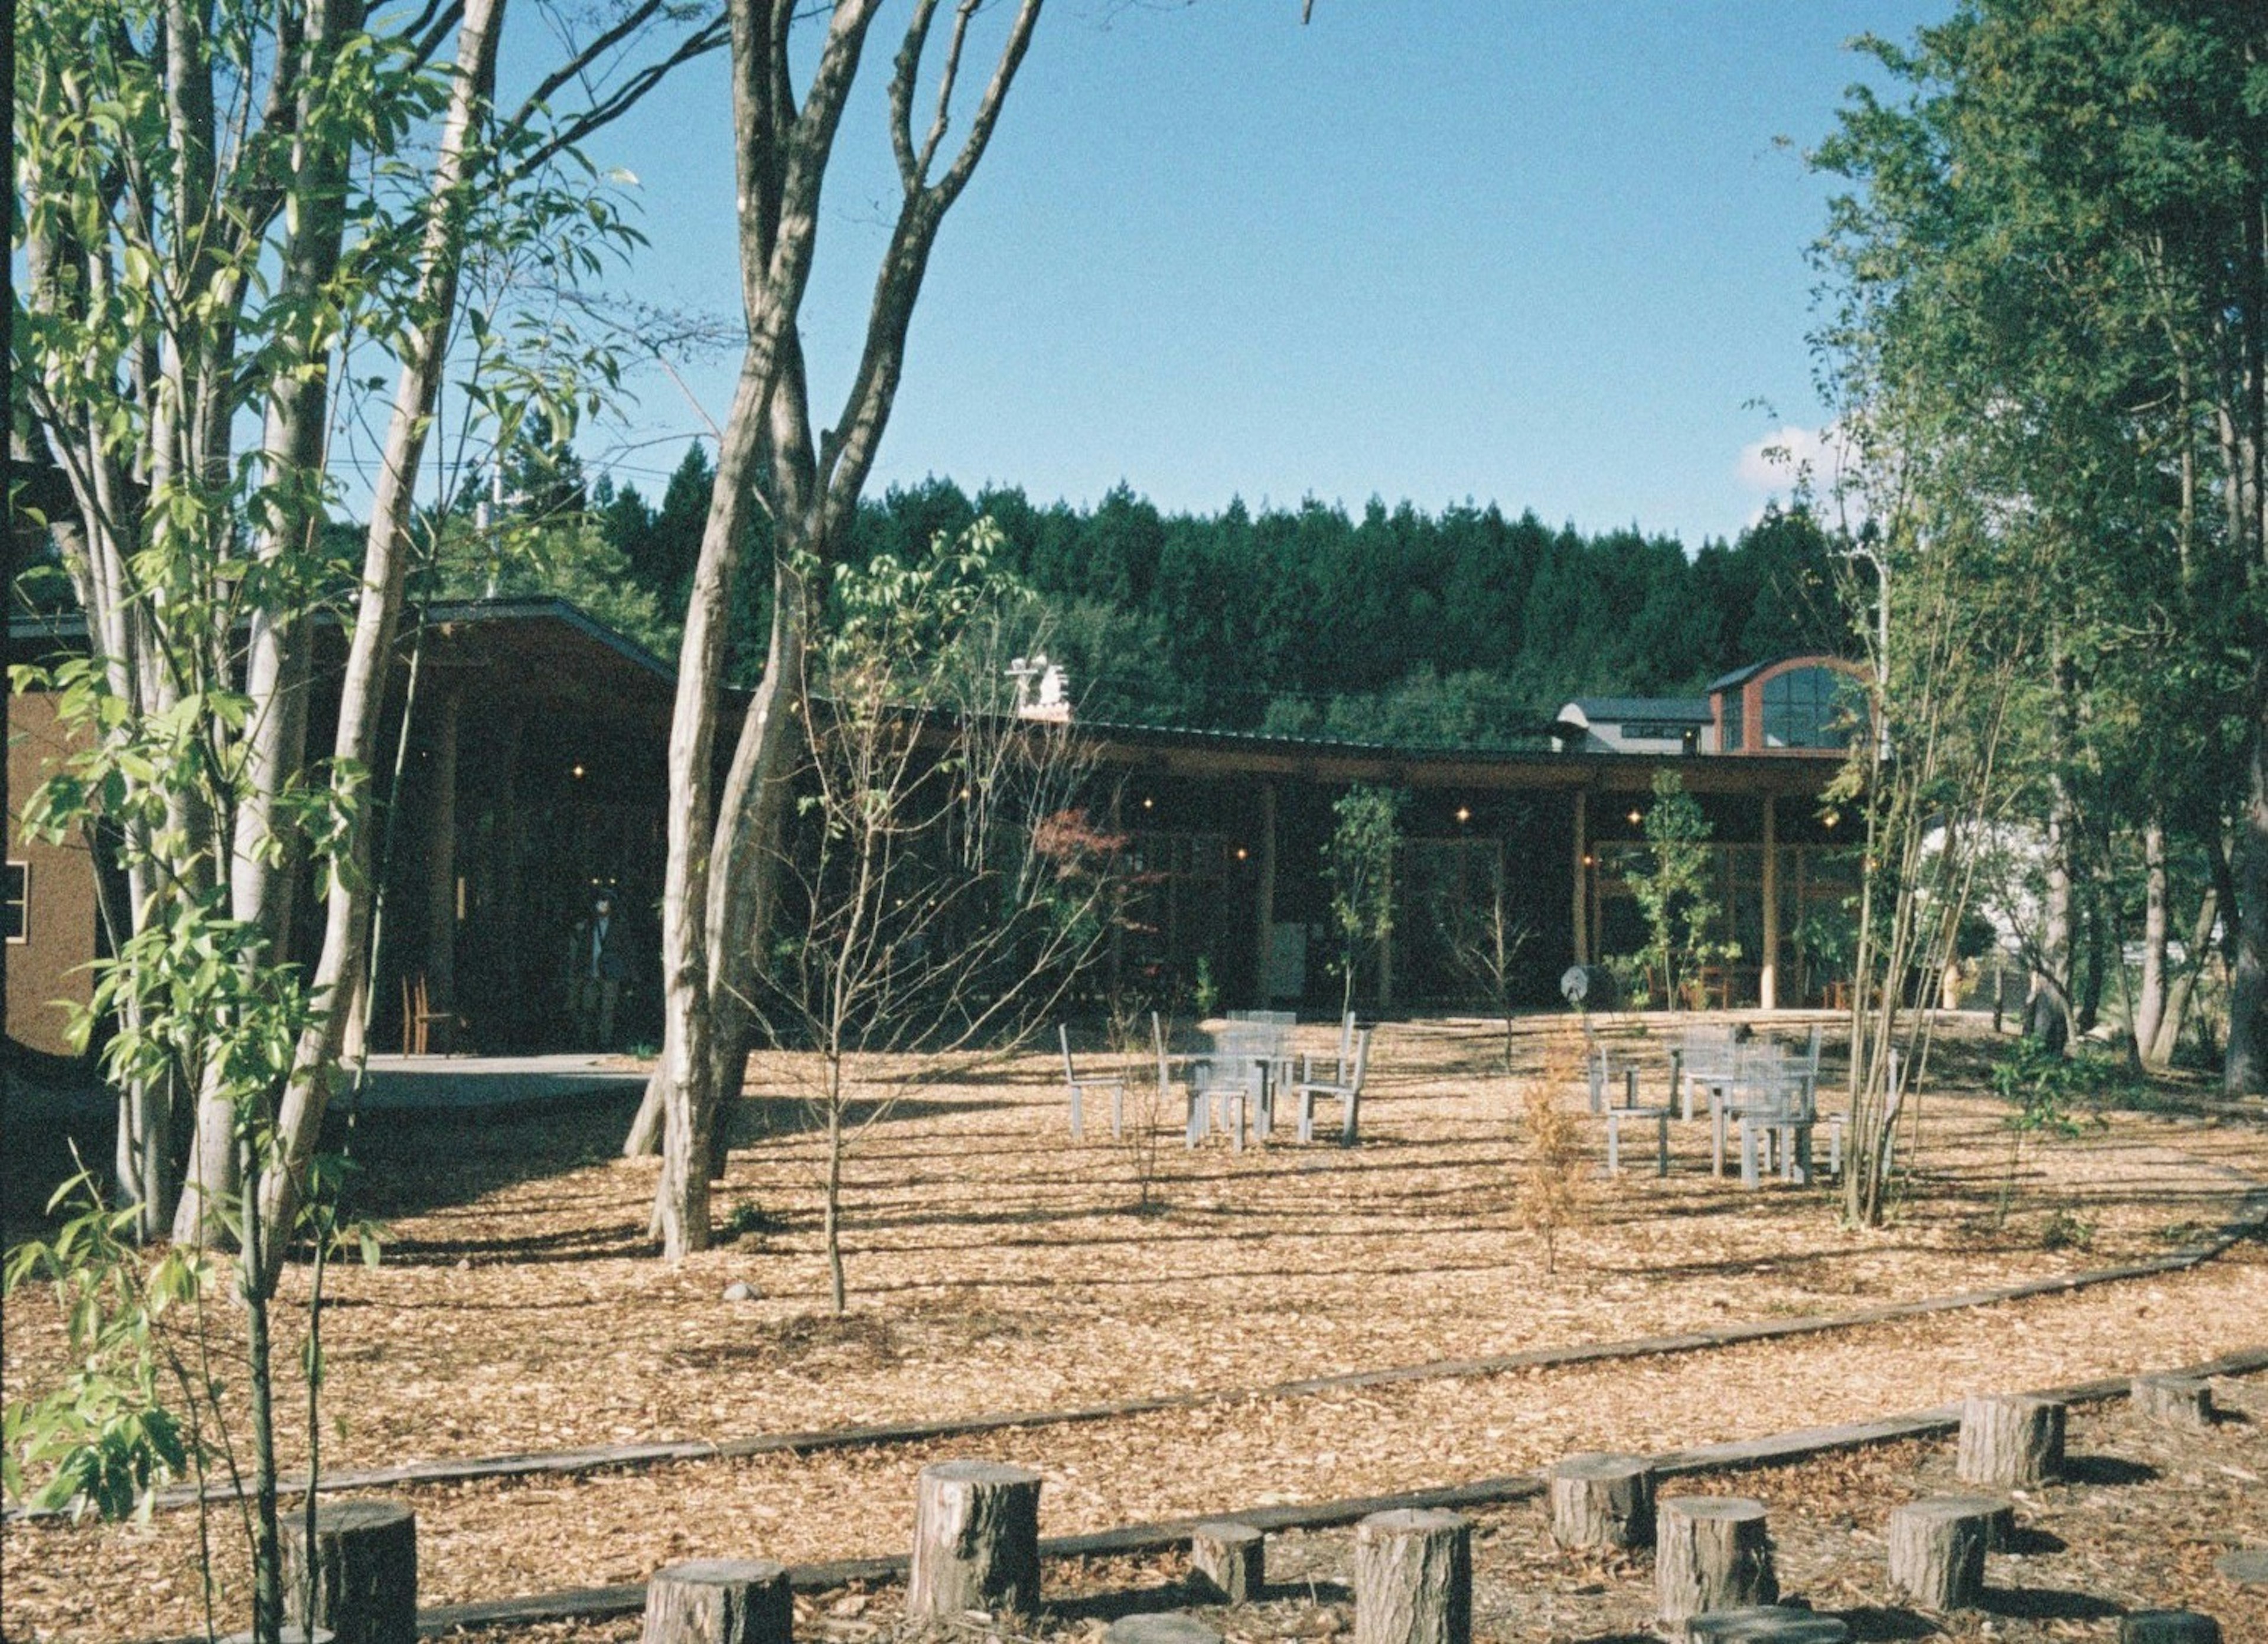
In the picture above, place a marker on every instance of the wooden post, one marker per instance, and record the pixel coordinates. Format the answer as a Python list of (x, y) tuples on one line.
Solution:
[(1937, 1552), (1228, 1561), (364, 1568), (1581, 908), (1766, 1623), (441, 862), (1264, 911), (1768, 976), (977, 1542), (720, 1601), (1711, 1552), (2176, 1401), (1413, 1578), (2168, 1626), (2010, 1439), (1601, 1500)]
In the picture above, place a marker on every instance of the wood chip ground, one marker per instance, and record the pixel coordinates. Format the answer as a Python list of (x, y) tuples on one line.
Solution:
[(994, 1265)]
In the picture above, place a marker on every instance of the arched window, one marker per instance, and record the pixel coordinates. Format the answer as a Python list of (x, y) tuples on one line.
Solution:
[(1811, 707)]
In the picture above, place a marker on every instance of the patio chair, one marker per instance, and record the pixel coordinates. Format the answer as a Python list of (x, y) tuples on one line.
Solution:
[(1345, 1058), (1778, 1111), (1704, 1062), (1348, 1092), (1116, 1084), (1603, 1068)]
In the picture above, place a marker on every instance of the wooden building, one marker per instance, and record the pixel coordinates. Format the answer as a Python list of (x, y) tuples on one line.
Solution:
[(535, 775)]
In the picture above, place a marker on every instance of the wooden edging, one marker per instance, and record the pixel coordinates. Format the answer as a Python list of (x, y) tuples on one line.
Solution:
[(1173, 1533), (2251, 1214)]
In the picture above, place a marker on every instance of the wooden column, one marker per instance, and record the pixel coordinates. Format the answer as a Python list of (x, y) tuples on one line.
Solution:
[(1386, 945), (441, 861), (1581, 908), (1265, 915), (1768, 981), (1117, 924)]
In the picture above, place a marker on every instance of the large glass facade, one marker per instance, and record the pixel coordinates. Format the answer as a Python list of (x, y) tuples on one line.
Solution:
[(1809, 708)]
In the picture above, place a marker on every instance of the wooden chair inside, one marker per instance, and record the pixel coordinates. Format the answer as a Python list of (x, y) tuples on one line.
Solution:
[(419, 1019)]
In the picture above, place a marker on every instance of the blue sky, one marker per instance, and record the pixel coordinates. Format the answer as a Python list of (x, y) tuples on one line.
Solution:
[(1550, 255)]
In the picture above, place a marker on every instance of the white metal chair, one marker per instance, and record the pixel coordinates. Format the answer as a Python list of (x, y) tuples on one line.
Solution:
[(1116, 1084), (1347, 1091)]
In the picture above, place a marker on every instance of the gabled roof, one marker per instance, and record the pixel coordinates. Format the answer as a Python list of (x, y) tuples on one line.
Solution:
[(1691, 710)]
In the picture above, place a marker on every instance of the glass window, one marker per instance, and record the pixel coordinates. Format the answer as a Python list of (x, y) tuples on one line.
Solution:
[(1734, 706), (1807, 707)]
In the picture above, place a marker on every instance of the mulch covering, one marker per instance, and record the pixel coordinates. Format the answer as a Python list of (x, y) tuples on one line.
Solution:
[(994, 1265)]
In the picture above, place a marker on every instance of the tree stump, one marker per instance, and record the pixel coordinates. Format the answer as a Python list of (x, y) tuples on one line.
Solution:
[(1937, 1551), (2010, 1439), (2168, 1626), (1999, 1513), (1229, 1561), (364, 1569), (1711, 1552), (1601, 1501), (1766, 1623), (977, 1542), (1413, 1578), (2174, 1401), (720, 1601), (1165, 1627)]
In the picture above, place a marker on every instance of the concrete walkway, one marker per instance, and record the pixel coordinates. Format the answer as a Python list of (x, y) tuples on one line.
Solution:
[(435, 1084)]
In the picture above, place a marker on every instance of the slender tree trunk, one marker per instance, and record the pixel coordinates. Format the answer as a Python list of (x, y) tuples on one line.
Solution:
[(2177, 997), (837, 1291), (2150, 1001), (2246, 1067), (338, 969)]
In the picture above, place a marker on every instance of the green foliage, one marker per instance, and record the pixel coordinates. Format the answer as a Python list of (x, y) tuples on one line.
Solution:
[(1462, 629), (1358, 866), (1204, 992), (102, 1439), (1671, 888)]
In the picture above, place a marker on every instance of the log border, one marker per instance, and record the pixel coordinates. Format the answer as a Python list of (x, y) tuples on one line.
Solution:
[(1172, 1535)]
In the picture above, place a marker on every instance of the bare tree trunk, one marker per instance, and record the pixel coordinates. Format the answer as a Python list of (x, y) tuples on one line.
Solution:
[(2246, 1067), (717, 888), (2150, 1001), (837, 1291), (2178, 998), (2047, 1017), (338, 968)]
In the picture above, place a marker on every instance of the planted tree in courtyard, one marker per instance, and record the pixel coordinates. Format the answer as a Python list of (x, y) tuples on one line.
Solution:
[(1671, 886), (943, 889), (1358, 866), (232, 223), (1486, 940), (804, 476)]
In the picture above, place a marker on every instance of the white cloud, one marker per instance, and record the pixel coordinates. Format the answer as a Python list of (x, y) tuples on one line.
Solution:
[(1777, 463)]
